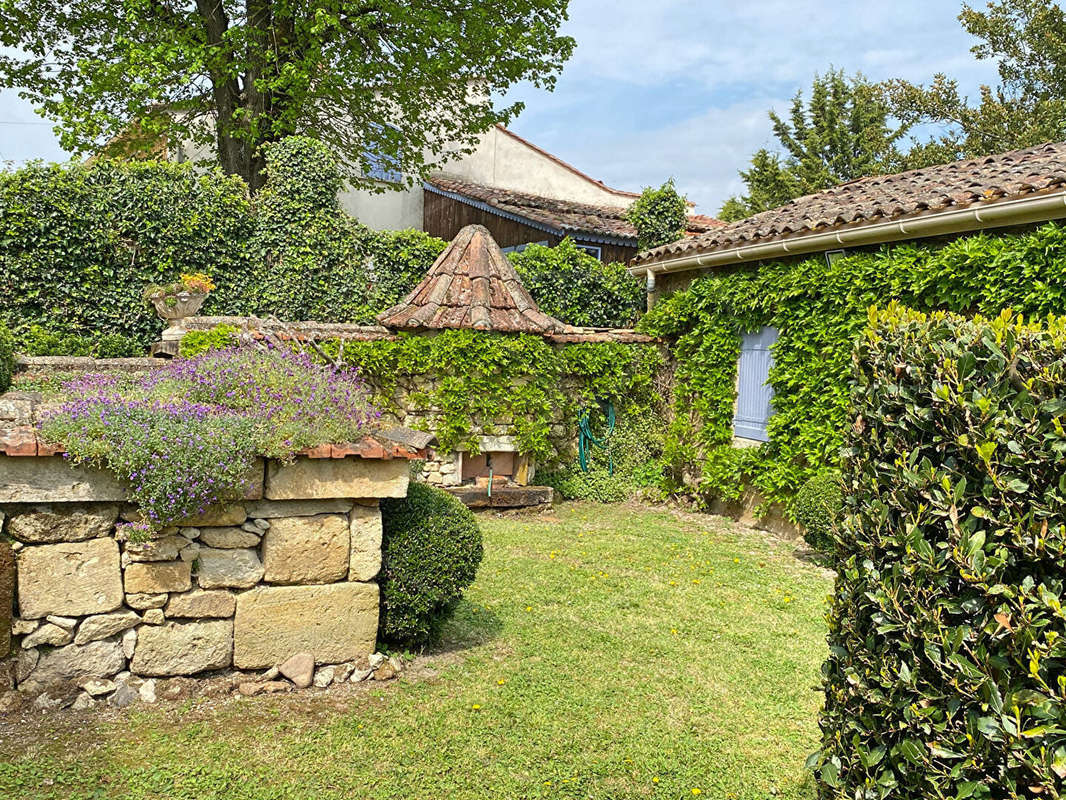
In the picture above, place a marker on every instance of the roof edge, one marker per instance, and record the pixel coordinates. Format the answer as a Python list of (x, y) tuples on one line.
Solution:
[(994, 214), (583, 235)]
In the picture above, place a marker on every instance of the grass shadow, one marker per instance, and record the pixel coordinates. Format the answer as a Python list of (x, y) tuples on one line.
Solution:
[(468, 626)]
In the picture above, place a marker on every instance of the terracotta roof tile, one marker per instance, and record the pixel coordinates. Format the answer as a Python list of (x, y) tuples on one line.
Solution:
[(569, 218), (884, 197), (472, 284)]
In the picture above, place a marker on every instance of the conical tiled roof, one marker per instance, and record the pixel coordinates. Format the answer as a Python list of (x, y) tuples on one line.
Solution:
[(471, 285)]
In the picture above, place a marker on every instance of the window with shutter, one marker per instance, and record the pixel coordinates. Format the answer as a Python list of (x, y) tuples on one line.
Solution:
[(754, 393)]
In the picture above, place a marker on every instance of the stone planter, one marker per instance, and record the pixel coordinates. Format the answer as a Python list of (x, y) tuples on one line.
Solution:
[(289, 569), (171, 308)]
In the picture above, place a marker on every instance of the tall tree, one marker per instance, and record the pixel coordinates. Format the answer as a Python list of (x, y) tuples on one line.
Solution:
[(384, 83), (840, 134), (1027, 40)]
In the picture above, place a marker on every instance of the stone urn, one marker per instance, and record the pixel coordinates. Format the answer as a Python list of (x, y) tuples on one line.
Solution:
[(172, 307)]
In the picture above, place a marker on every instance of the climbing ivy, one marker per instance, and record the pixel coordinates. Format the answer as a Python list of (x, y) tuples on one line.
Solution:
[(820, 308), (470, 377)]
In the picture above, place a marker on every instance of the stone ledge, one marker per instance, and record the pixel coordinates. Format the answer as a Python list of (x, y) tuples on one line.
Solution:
[(25, 441)]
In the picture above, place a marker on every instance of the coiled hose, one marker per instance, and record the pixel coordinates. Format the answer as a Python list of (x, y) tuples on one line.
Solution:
[(586, 440)]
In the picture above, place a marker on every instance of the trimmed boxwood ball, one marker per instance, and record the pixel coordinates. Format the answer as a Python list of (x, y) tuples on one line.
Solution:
[(430, 550), (818, 508), (7, 358)]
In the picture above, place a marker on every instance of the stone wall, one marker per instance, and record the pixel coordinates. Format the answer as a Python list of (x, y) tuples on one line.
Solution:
[(290, 569)]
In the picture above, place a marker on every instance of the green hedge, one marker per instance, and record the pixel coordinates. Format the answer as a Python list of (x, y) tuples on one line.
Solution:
[(820, 309), (82, 241), (576, 288), (947, 669), (7, 357), (430, 551)]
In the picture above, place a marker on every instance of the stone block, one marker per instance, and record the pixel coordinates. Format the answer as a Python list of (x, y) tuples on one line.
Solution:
[(183, 648), (163, 549), (228, 538), (217, 517), (223, 569), (7, 595), (143, 602), (103, 626), (271, 509), (202, 603), (306, 549), (312, 479), (337, 622), (364, 558), (54, 480), (69, 579), (44, 523), (158, 577), (100, 659)]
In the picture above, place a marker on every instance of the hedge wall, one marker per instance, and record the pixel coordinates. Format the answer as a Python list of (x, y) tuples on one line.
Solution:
[(820, 309), (947, 669), (81, 242)]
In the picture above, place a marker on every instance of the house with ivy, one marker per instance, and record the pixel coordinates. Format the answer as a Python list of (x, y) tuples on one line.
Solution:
[(764, 312), (520, 192)]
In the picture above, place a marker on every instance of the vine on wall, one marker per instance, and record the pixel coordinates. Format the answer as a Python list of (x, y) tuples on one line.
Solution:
[(470, 376), (819, 310)]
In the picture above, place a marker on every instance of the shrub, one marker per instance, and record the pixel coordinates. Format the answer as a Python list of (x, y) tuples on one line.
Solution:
[(220, 337), (659, 215), (947, 645), (818, 507), (185, 436), (431, 549), (7, 358), (578, 289), (40, 341)]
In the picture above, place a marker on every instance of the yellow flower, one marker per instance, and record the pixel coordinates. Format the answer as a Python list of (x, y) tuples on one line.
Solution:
[(529, 608), (736, 560), (697, 791), (655, 779), (500, 682), (695, 580), (476, 707)]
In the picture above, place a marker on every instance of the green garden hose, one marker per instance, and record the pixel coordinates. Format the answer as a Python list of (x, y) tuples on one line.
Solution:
[(585, 439)]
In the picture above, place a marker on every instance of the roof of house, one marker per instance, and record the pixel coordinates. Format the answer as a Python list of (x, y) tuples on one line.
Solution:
[(560, 217), (869, 201), (472, 284)]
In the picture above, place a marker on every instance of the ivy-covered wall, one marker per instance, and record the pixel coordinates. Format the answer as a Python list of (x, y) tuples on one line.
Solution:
[(463, 384), (820, 309)]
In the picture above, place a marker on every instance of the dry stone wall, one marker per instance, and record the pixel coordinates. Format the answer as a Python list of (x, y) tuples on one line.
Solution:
[(290, 570)]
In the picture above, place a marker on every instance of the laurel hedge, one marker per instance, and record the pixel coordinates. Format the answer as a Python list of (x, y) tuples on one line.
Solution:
[(947, 669)]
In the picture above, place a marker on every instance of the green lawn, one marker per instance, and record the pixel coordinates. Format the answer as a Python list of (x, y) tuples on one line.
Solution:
[(605, 652)]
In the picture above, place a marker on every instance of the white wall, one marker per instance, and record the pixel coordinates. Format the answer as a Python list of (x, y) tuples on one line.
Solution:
[(390, 210), (507, 162)]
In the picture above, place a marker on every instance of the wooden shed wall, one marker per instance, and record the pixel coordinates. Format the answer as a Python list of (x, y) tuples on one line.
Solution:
[(444, 217)]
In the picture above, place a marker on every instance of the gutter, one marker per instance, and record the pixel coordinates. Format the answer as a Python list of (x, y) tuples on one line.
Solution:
[(1003, 214)]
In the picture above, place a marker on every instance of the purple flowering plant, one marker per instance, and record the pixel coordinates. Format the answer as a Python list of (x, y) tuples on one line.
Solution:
[(186, 436)]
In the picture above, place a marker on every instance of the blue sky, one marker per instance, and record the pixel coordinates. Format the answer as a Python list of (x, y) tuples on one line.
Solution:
[(680, 88)]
